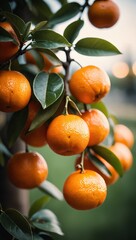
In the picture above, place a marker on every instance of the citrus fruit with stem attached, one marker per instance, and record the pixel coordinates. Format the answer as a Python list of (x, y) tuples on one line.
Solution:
[(27, 169), (124, 135), (124, 155), (48, 66), (68, 134), (103, 14), (8, 48), (15, 91), (37, 136), (84, 190), (98, 126), (89, 84), (90, 166)]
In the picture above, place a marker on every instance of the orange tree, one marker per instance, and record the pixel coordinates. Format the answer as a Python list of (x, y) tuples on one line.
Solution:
[(46, 104)]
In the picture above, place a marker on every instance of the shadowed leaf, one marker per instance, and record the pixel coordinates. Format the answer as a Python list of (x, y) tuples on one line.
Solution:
[(16, 224), (110, 157), (50, 189), (46, 220), (66, 12), (72, 30)]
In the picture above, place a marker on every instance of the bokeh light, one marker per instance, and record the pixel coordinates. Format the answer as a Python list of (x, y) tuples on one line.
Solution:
[(120, 69), (134, 68)]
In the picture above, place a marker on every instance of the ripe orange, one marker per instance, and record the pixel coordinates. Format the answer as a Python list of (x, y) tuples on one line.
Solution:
[(89, 84), (8, 49), (15, 91), (84, 190), (124, 135), (68, 134), (36, 137), (124, 155), (90, 166), (98, 126), (27, 170), (48, 65), (103, 14)]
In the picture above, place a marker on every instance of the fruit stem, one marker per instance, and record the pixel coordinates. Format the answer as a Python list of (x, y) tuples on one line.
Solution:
[(9, 67), (73, 60), (82, 162), (85, 107), (26, 148), (72, 103), (66, 105)]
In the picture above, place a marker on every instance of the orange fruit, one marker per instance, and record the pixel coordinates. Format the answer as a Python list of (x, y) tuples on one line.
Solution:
[(48, 65), (124, 155), (68, 135), (103, 14), (36, 137), (8, 49), (84, 190), (27, 169), (89, 84), (124, 135), (15, 91), (98, 126), (90, 166)]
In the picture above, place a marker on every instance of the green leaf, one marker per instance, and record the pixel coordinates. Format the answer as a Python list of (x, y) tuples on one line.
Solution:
[(50, 189), (16, 225), (96, 47), (43, 236), (45, 115), (51, 56), (110, 138), (17, 22), (16, 125), (26, 31), (4, 150), (6, 37), (37, 237), (46, 215), (110, 157), (72, 30), (47, 88), (62, 1), (46, 220), (99, 164), (66, 12), (38, 205), (39, 26), (38, 58), (48, 39), (40, 9), (100, 106)]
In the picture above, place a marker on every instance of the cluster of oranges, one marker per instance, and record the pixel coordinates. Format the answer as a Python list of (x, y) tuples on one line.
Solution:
[(70, 134), (103, 13), (67, 134)]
